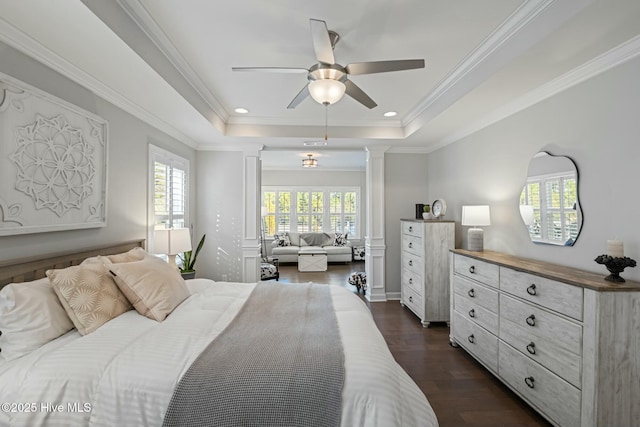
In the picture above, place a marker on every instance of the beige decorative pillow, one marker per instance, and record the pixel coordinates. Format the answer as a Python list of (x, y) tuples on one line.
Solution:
[(89, 295), (135, 254), (154, 288)]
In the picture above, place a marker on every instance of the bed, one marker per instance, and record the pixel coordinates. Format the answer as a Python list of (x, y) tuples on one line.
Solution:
[(134, 370)]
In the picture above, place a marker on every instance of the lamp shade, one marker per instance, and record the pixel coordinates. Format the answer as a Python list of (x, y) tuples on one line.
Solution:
[(172, 241), (477, 215), (327, 91), (526, 212)]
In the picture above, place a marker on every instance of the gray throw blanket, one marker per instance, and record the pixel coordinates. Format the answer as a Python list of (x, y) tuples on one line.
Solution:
[(279, 363)]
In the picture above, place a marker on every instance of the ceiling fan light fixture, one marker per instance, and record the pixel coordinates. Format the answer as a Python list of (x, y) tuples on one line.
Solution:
[(327, 91), (310, 162)]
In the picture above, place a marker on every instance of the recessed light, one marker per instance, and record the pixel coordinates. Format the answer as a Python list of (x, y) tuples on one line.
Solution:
[(390, 114), (241, 110), (314, 143)]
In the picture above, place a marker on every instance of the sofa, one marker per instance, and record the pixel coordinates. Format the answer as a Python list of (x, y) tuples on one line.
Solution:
[(285, 246)]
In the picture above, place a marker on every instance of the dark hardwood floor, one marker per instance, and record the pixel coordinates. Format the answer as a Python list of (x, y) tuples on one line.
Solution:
[(461, 391)]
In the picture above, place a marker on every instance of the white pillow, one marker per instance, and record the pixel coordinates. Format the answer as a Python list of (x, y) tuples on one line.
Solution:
[(30, 316)]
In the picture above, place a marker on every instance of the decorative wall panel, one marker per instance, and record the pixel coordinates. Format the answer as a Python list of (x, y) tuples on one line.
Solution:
[(53, 162)]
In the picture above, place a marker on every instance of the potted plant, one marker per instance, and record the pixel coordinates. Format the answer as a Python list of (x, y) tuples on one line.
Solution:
[(426, 212), (187, 269)]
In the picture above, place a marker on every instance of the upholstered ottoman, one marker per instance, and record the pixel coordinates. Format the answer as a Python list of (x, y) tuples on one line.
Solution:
[(359, 280)]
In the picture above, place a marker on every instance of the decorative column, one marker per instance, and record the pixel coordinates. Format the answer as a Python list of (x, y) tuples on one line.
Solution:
[(251, 213), (375, 247)]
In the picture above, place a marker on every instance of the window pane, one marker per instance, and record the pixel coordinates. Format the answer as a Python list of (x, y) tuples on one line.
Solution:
[(270, 225), (570, 193), (350, 202), (336, 223), (316, 223), (269, 201), (552, 193), (350, 224), (335, 202), (302, 202), (554, 227), (284, 202), (317, 202), (570, 225), (284, 223), (303, 224)]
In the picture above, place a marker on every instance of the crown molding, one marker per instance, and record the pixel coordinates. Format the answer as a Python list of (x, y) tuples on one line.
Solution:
[(27, 45), (139, 14), (614, 57)]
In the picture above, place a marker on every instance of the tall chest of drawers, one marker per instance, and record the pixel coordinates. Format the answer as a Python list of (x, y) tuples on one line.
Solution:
[(424, 273), (566, 341)]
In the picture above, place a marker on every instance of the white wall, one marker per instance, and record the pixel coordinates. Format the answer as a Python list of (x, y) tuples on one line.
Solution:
[(127, 174), (405, 184), (220, 214), (595, 123)]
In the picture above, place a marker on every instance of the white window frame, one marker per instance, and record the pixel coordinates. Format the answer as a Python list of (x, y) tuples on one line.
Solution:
[(157, 154), (543, 210), (326, 220)]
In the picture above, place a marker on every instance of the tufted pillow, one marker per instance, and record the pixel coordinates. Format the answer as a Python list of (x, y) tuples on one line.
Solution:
[(154, 288), (340, 239), (89, 295), (282, 239), (30, 316)]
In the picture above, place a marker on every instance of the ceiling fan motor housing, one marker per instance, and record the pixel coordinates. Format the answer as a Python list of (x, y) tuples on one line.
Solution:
[(327, 71)]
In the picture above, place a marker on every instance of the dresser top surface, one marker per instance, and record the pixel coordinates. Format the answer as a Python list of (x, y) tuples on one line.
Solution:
[(551, 271)]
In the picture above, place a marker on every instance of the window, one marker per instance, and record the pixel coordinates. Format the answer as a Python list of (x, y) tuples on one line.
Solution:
[(311, 210), (169, 189), (554, 199)]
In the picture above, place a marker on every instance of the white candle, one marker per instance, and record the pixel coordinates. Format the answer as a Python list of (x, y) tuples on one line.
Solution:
[(615, 248)]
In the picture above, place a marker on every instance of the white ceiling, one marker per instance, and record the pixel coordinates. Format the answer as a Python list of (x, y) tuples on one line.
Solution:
[(169, 63)]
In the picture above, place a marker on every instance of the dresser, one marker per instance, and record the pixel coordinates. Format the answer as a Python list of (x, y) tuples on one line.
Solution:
[(424, 272), (564, 340)]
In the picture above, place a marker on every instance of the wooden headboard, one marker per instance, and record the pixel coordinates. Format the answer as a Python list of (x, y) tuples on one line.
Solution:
[(26, 269)]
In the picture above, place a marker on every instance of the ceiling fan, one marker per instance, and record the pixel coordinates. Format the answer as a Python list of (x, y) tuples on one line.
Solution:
[(328, 81)]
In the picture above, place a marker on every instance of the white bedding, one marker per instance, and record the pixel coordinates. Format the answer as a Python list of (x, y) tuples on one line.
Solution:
[(124, 373)]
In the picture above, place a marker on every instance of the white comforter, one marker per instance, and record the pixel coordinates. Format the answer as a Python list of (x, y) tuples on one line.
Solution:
[(124, 373)]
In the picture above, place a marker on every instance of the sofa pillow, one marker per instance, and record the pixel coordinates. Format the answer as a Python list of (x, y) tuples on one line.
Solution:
[(30, 316), (89, 295), (154, 288), (315, 239), (340, 239), (282, 239)]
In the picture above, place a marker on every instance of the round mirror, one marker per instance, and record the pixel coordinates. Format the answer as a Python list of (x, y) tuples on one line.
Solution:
[(549, 203)]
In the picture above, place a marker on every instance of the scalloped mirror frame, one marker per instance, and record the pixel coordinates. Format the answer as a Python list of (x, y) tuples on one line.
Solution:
[(557, 176)]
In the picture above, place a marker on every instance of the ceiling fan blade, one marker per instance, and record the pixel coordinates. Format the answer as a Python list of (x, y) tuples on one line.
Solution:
[(322, 41), (301, 96), (272, 69), (384, 66), (358, 94)]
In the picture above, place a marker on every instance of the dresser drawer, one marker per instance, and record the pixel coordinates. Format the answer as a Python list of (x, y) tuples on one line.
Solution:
[(481, 271), (412, 244), (412, 228), (550, 340), (477, 341), (475, 313), (413, 300), (557, 296), (412, 262), (413, 281), (550, 393), (479, 294)]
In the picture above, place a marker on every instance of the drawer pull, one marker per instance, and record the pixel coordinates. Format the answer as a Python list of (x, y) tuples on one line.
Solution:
[(531, 348), (410, 299), (472, 339), (411, 280), (410, 228), (472, 269), (471, 293), (531, 320), (529, 381), (410, 245), (410, 262), (531, 290), (472, 313)]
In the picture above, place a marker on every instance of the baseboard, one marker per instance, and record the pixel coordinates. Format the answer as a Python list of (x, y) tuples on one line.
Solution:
[(394, 296)]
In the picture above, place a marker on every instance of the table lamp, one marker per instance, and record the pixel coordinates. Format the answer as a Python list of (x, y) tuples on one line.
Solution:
[(172, 242), (476, 216)]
